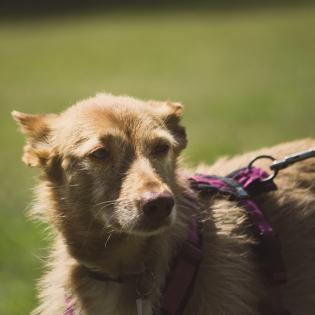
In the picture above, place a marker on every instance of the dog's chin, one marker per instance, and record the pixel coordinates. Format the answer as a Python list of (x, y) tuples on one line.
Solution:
[(146, 227)]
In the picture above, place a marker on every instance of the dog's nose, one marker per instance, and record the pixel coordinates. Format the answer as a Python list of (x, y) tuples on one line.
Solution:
[(158, 206)]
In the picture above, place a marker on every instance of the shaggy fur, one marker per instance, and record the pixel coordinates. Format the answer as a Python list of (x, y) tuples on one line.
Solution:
[(98, 160)]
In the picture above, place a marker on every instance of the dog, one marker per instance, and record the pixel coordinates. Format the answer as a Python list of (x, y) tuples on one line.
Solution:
[(115, 193)]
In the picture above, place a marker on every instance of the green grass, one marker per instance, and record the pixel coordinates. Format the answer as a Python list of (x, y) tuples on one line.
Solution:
[(246, 77)]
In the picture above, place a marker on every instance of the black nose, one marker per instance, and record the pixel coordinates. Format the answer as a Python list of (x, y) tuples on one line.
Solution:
[(158, 206)]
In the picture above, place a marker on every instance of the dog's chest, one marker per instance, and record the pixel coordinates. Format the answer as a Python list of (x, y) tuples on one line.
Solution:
[(113, 298)]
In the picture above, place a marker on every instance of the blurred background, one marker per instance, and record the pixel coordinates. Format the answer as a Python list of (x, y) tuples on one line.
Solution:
[(243, 69)]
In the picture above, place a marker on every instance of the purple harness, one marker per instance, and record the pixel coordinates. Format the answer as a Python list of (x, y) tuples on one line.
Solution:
[(241, 186)]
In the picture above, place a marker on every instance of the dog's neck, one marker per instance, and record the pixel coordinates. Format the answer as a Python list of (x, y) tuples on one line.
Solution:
[(122, 257), (126, 256)]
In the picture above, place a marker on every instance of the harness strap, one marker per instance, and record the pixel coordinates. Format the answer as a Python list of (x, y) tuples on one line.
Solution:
[(182, 278), (241, 185), (69, 306)]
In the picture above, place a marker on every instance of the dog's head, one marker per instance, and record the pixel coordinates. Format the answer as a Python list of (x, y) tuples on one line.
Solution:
[(109, 161)]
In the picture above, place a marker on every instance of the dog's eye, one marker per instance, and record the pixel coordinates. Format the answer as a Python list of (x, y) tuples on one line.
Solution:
[(100, 154), (161, 149)]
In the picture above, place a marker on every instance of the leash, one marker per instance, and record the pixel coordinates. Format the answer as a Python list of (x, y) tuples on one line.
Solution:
[(240, 185)]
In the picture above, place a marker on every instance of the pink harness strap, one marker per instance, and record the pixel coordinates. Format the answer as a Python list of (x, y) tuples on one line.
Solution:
[(69, 306), (183, 274)]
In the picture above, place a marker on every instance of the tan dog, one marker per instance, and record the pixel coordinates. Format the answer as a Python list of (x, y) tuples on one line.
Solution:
[(119, 205)]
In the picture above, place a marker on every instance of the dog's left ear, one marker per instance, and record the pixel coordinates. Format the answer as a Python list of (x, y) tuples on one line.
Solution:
[(36, 129), (171, 114)]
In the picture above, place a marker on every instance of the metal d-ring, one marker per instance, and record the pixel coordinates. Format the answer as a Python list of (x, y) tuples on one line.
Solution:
[(268, 157)]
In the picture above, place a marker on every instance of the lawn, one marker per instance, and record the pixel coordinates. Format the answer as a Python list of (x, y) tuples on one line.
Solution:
[(246, 78)]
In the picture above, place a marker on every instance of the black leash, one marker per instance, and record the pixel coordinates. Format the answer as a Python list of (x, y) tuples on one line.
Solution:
[(278, 165)]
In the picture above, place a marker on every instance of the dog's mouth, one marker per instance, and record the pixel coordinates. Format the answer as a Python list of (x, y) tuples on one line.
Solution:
[(140, 224), (151, 226)]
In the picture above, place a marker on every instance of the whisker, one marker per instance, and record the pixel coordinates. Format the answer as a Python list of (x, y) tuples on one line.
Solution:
[(114, 200), (108, 238)]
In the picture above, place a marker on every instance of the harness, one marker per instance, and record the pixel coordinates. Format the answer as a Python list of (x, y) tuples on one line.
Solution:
[(241, 186)]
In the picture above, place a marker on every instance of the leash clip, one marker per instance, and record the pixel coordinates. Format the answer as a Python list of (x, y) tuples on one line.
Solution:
[(291, 159), (275, 171)]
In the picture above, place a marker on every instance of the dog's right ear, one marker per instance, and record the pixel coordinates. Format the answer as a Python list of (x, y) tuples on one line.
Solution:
[(171, 114), (37, 129)]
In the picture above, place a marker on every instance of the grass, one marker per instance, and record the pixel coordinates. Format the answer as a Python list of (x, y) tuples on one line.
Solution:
[(246, 78)]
